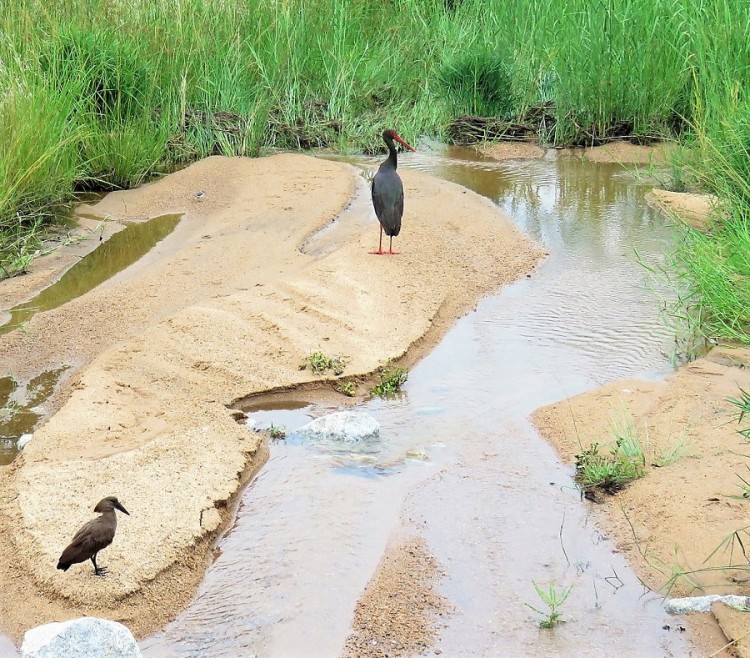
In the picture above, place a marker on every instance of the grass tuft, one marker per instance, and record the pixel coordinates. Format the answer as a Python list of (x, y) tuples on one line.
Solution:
[(277, 433), (391, 380), (319, 363), (553, 598), (743, 404), (607, 471), (611, 469), (346, 388)]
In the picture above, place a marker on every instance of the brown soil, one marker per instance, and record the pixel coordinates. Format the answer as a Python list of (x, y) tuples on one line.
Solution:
[(225, 307), (513, 151), (627, 153), (678, 514), (621, 152), (397, 614), (693, 209)]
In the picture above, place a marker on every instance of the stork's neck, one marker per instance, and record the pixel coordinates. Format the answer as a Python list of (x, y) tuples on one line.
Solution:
[(392, 161)]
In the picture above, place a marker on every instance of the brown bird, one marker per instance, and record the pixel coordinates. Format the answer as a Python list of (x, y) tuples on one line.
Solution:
[(94, 536)]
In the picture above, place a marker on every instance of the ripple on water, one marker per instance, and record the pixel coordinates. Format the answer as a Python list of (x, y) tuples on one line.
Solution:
[(458, 461)]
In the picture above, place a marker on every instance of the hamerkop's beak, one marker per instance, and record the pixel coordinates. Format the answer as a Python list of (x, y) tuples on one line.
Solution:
[(121, 508)]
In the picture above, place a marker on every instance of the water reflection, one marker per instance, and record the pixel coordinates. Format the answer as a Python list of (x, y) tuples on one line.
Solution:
[(20, 408), (458, 460), (117, 253)]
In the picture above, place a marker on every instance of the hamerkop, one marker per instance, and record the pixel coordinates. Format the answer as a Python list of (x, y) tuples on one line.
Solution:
[(93, 537)]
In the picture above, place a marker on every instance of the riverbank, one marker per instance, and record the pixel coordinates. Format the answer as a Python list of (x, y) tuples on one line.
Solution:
[(226, 306), (676, 524)]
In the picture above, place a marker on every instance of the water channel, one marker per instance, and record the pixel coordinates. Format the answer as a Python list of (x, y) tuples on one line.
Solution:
[(458, 462)]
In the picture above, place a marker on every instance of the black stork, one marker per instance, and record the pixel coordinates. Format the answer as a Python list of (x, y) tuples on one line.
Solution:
[(388, 192), (94, 536)]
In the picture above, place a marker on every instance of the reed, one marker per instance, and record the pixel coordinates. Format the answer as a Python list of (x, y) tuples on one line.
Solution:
[(106, 93)]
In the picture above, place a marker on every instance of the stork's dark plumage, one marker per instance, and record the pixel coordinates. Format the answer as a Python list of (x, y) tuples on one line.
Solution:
[(388, 192), (94, 536)]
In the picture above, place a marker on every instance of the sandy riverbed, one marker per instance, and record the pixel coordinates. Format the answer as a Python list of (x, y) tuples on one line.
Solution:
[(677, 516), (228, 305)]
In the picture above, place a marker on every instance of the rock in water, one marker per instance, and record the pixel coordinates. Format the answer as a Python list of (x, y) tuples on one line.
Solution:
[(87, 637), (690, 604), (345, 427)]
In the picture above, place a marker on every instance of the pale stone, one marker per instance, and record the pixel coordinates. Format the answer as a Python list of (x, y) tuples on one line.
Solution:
[(87, 637), (341, 427)]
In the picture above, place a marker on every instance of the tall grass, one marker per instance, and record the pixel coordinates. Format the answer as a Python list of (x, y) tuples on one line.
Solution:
[(105, 93)]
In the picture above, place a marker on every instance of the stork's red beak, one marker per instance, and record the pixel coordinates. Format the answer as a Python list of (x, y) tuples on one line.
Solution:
[(403, 143)]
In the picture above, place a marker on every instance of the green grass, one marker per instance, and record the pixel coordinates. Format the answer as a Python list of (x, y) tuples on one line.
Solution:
[(609, 469), (391, 379), (743, 405), (349, 389), (319, 363), (612, 469), (276, 432), (714, 265), (553, 598), (107, 93), (744, 487)]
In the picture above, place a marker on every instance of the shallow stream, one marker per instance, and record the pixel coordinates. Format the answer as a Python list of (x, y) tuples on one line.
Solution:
[(22, 404), (458, 462)]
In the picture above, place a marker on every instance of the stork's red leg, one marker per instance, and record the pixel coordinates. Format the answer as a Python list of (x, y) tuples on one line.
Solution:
[(390, 248), (380, 251)]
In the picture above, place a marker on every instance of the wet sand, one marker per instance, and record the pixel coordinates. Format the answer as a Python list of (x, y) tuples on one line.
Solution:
[(226, 306), (397, 613), (619, 152), (680, 517), (695, 210)]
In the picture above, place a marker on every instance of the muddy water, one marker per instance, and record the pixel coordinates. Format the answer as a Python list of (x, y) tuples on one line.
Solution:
[(21, 406), (117, 253), (457, 460)]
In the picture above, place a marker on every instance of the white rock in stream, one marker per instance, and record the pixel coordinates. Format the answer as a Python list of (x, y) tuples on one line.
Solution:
[(23, 440), (341, 427), (703, 603), (87, 637)]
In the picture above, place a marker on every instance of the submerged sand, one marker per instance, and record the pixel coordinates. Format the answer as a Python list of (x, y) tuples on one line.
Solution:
[(227, 306)]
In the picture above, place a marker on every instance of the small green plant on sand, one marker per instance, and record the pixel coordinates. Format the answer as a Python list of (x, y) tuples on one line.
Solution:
[(672, 451), (553, 598), (610, 471), (745, 487), (10, 409), (319, 363), (392, 378), (347, 388), (743, 404), (277, 433)]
